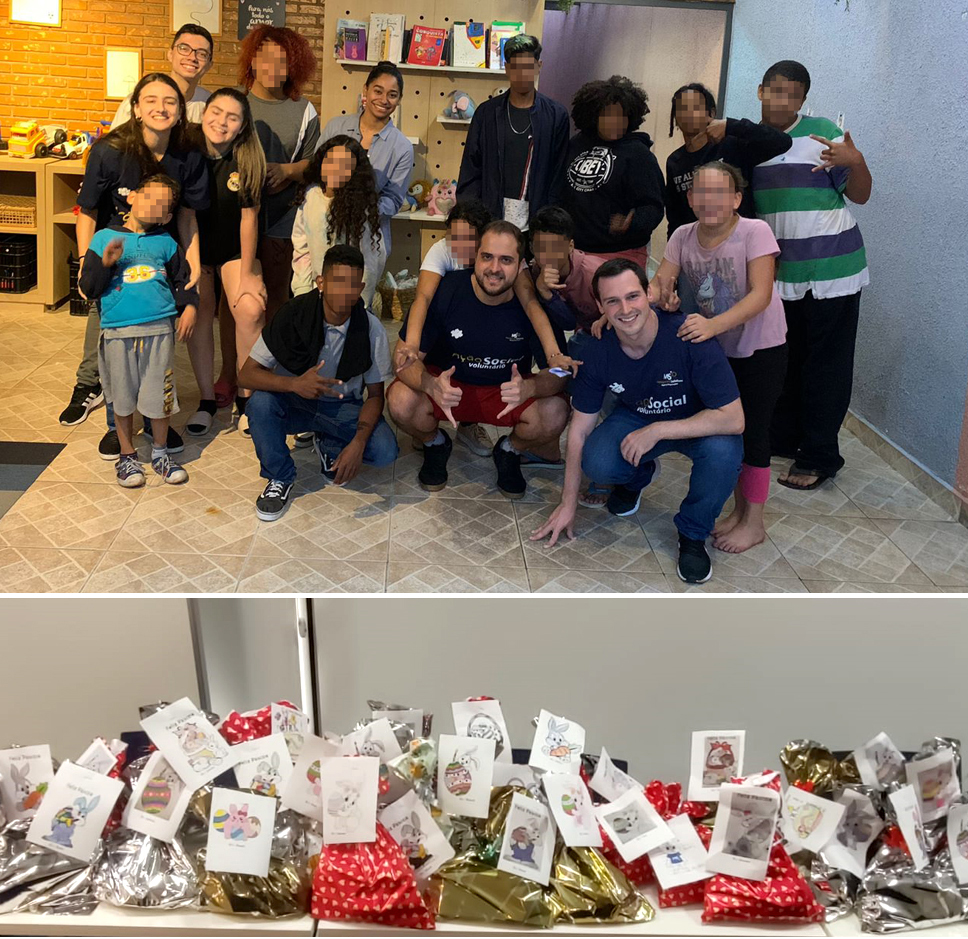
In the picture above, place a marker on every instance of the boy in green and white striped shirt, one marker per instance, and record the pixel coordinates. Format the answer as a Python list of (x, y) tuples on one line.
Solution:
[(822, 268)]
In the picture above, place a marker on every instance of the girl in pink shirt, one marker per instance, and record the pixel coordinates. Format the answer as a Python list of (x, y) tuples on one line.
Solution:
[(729, 261)]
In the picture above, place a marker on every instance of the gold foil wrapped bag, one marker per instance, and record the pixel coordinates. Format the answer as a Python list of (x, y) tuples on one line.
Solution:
[(806, 761)]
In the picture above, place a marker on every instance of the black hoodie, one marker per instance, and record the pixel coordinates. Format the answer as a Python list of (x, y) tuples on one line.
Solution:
[(612, 177)]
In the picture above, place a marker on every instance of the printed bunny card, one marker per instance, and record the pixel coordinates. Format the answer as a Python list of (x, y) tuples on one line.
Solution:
[(193, 747), (633, 824), (240, 832), (25, 774), (859, 826), (465, 770), (571, 806), (290, 722), (529, 840), (74, 811), (957, 826), (557, 744), (263, 765), (99, 757), (935, 780), (682, 860), (879, 762), (375, 739), (907, 806), (411, 826), (743, 833), (807, 821), (303, 792), (717, 755), (483, 719), (350, 788), (609, 781), (159, 800)]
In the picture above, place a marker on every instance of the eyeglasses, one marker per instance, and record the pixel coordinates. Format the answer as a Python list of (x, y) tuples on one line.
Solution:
[(183, 48)]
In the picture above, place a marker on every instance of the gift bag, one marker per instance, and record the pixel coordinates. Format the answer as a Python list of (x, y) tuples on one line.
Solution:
[(253, 725)]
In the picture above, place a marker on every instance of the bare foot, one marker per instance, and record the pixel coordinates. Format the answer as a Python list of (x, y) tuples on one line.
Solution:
[(741, 538), (728, 524)]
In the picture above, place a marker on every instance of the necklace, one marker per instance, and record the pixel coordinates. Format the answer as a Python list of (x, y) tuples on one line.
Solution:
[(513, 129)]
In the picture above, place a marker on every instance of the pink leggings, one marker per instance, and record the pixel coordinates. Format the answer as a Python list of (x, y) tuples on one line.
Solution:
[(754, 483)]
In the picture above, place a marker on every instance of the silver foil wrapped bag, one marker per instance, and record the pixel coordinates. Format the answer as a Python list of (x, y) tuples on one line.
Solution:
[(70, 893), (140, 871), (23, 863), (835, 890)]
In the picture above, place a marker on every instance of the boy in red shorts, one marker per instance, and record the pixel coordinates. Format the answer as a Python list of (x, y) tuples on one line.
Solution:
[(476, 353)]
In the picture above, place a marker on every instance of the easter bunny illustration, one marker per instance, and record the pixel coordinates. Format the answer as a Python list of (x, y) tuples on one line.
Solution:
[(68, 819), (267, 778), (236, 824), (28, 797), (369, 746), (525, 838), (412, 841), (556, 744), (342, 806), (855, 827), (754, 837)]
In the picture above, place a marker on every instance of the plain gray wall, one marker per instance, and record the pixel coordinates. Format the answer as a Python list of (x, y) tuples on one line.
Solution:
[(642, 675), (898, 72)]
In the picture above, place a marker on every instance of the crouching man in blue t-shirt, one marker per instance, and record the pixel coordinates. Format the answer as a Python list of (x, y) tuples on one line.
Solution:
[(672, 396)]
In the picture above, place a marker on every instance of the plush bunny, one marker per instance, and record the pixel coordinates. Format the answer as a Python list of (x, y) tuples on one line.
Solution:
[(462, 106), (443, 197)]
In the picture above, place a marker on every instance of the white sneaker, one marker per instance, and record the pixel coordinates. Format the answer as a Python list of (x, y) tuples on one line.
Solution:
[(475, 438)]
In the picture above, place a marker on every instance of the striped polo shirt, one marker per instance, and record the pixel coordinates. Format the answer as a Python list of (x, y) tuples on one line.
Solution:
[(821, 248)]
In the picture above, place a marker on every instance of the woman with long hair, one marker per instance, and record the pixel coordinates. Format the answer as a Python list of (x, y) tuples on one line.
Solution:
[(389, 152), (155, 140), (229, 236), (340, 206)]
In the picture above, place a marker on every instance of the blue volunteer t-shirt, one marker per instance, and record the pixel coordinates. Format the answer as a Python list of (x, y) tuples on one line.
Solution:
[(482, 341), (673, 381)]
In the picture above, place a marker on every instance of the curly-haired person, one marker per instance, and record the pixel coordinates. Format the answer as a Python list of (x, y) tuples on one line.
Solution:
[(613, 187)]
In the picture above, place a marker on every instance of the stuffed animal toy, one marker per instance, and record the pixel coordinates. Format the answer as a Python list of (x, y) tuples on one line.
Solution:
[(461, 107), (417, 195), (443, 197)]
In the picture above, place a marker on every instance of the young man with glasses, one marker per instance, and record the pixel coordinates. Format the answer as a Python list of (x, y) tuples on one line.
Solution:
[(190, 56)]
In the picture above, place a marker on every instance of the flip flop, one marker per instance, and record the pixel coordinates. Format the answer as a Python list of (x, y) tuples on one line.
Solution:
[(594, 489), (224, 394), (797, 470)]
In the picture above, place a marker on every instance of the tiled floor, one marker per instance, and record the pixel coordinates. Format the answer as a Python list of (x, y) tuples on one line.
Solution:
[(76, 530)]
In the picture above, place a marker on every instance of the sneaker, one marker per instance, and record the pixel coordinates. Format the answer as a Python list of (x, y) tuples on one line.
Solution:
[(694, 566), (433, 474), (325, 460), (130, 472), (301, 441), (109, 448), (510, 479), (532, 459), (84, 399), (623, 501), (475, 438), (169, 470), (242, 425), (175, 442), (274, 500)]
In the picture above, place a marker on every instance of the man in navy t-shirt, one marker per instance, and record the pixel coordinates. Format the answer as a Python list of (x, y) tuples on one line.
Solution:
[(476, 352), (672, 396)]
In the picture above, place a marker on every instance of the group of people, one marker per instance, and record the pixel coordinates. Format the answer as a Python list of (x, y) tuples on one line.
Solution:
[(234, 204)]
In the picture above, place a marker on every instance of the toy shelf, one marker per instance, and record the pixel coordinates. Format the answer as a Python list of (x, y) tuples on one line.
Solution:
[(25, 178), (453, 69), (452, 122), (420, 216)]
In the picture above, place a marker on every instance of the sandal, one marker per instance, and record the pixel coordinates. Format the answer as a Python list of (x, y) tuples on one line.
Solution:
[(594, 489), (798, 470), (199, 424), (224, 393)]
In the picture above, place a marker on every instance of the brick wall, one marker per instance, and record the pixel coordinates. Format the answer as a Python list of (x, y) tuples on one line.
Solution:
[(57, 75)]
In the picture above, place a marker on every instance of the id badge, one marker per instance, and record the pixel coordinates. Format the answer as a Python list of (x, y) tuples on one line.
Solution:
[(516, 212)]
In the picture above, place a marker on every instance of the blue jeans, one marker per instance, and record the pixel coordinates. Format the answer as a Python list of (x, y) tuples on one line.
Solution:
[(272, 416), (715, 468)]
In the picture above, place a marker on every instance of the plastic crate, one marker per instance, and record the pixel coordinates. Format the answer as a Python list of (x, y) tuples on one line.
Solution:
[(79, 306), (18, 263)]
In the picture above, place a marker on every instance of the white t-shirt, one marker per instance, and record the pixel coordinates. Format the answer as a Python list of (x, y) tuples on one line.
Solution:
[(439, 260), (193, 108)]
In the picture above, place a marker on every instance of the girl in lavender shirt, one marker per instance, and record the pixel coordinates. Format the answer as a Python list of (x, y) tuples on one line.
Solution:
[(729, 262)]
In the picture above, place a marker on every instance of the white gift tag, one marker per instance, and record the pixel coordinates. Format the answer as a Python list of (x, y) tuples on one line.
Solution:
[(633, 825), (557, 744), (25, 774), (411, 826), (609, 781), (935, 780), (350, 789), (240, 832), (717, 756), (159, 800), (907, 805), (807, 821), (682, 859), (303, 793), (98, 757), (483, 719), (376, 739), (465, 770), (529, 840), (859, 826), (879, 762), (571, 806), (743, 835), (263, 765), (958, 840)]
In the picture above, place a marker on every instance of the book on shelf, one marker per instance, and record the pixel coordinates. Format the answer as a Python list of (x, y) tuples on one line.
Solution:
[(501, 32), (385, 37), (469, 49), (426, 45), (351, 40)]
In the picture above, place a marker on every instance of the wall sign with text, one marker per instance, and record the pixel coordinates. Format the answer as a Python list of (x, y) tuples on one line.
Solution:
[(258, 12)]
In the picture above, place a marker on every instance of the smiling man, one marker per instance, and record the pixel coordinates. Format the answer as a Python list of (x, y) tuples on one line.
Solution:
[(190, 56), (476, 352), (672, 396)]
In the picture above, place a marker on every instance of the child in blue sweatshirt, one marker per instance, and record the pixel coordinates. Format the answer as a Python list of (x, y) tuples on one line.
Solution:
[(141, 277)]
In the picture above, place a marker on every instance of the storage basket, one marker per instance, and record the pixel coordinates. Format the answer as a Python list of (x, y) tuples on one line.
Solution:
[(18, 263), (18, 210), (396, 302)]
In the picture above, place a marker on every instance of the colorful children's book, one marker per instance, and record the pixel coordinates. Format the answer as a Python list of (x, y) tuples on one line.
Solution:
[(469, 48), (351, 40), (501, 31), (426, 45), (385, 37)]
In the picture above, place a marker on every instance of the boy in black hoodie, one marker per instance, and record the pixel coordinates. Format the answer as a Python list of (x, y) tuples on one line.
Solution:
[(613, 184)]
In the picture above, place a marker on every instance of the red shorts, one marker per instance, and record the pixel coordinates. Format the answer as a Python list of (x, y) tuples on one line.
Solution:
[(480, 404)]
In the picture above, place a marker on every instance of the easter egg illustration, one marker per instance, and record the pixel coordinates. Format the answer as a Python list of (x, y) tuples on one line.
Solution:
[(156, 795), (568, 804), (457, 779), (312, 774), (221, 817)]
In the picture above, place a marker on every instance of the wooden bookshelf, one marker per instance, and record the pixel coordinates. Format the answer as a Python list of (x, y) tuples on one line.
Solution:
[(27, 179), (426, 91)]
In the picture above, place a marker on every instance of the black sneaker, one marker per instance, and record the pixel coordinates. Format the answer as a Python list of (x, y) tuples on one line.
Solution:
[(510, 479), (84, 399), (694, 566), (623, 501), (325, 461), (109, 448), (433, 474), (274, 500), (175, 442)]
